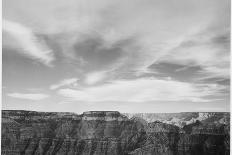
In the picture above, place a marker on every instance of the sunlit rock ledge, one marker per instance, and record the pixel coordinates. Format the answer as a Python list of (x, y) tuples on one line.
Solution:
[(104, 116)]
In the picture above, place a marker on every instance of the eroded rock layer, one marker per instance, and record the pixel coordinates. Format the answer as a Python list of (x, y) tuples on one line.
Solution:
[(109, 133)]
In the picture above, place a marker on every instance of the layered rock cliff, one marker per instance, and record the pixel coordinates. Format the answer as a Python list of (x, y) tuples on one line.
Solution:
[(107, 133)]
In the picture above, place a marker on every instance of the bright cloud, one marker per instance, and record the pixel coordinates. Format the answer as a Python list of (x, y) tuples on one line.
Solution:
[(31, 45), (65, 82), (34, 97), (143, 90), (95, 77)]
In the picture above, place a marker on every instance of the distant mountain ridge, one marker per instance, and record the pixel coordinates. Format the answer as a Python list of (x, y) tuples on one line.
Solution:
[(183, 118), (113, 133)]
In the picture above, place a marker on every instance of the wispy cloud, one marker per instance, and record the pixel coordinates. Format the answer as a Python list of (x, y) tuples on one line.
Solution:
[(114, 21), (65, 82), (31, 46), (207, 49), (34, 97), (143, 90)]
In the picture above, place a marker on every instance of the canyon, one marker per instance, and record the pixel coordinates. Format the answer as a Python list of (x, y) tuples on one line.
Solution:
[(114, 133)]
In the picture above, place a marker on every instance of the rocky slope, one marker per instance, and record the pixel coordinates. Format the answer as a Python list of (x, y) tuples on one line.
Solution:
[(109, 133)]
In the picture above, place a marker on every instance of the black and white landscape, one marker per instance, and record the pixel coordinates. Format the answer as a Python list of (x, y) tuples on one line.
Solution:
[(116, 77)]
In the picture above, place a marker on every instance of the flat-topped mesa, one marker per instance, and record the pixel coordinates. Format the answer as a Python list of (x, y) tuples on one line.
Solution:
[(104, 116)]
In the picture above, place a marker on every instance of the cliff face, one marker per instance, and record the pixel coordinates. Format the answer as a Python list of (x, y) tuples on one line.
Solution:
[(107, 133)]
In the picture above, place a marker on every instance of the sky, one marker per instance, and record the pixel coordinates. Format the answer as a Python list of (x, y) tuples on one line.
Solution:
[(128, 56)]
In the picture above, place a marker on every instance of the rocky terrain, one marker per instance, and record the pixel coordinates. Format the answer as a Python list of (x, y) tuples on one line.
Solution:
[(184, 118), (112, 133)]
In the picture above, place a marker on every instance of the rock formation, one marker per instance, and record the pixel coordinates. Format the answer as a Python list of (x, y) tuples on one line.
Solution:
[(111, 133)]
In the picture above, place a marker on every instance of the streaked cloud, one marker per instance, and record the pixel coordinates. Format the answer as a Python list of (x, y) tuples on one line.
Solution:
[(112, 21), (208, 50), (34, 97), (144, 90), (65, 82), (29, 44)]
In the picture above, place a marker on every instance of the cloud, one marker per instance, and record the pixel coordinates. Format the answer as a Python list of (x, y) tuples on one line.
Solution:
[(31, 46), (65, 82), (118, 40), (34, 97), (114, 21), (95, 77), (144, 90), (206, 49)]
